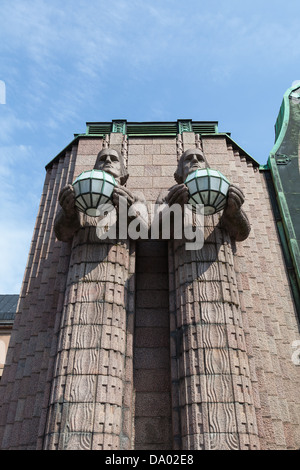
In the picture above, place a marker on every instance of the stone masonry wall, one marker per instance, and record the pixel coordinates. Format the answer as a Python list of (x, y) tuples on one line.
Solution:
[(267, 314)]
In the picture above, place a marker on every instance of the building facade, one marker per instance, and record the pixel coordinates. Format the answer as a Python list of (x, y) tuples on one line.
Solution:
[(142, 344), (8, 307)]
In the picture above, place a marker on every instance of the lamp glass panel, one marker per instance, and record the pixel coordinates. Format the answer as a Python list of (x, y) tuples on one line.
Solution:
[(95, 199), (81, 201), (189, 177), (214, 183), (107, 189), (109, 178), (214, 173), (97, 186), (192, 185), (221, 206), (92, 211), (212, 189), (224, 187), (103, 200), (197, 198), (88, 200), (83, 175), (220, 198), (85, 186), (98, 175), (209, 210), (205, 196), (202, 183), (76, 188), (212, 197)]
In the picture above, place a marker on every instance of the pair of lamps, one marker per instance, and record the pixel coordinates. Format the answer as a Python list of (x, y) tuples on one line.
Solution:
[(206, 186)]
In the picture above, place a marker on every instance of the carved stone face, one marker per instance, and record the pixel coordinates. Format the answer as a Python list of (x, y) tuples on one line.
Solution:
[(109, 160), (192, 160)]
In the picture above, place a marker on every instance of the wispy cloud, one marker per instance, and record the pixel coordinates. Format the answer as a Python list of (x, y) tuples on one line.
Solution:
[(10, 123), (19, 201)]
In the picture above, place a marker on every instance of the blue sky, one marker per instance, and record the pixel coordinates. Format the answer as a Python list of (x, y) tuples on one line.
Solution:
[(66, 63)]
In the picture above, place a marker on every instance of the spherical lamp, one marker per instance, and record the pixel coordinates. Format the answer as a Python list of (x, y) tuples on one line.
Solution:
[(208, 187), (93, 188)]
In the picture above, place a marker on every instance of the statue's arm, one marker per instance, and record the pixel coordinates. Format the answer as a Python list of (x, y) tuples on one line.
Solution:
[(67, 220), (234, 219)]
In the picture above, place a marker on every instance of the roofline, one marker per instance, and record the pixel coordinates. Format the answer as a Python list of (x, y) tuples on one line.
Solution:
[(62, 152), (158, 123), (235, 145), (6, 323), (285, 109)]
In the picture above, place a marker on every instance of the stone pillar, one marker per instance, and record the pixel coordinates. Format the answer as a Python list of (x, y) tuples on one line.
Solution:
[(87, 400), (211, 388)]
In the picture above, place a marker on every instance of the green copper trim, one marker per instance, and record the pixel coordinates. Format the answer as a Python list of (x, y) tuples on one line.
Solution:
[(119, 127), (283, 117), (159, 129), (286, 217), (264, 167), (290, 266), (98, 128), (185, 126), (276, 160), (153, 129)]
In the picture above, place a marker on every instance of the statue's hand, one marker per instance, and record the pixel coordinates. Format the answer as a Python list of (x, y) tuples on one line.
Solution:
[(235, 200), (67, 200), (178, 194), (120, 191), (234, 219)]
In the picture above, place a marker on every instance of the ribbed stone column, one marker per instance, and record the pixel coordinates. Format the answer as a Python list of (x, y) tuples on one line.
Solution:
[(211, 388), (86, 403)]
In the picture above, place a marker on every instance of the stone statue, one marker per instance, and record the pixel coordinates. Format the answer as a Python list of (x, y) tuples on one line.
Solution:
[(233, 219), (69, 219), (206, 319), (96, 324)]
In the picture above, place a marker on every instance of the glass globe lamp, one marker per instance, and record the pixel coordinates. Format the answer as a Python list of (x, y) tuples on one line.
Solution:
[(208, 187), (93, 188)]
